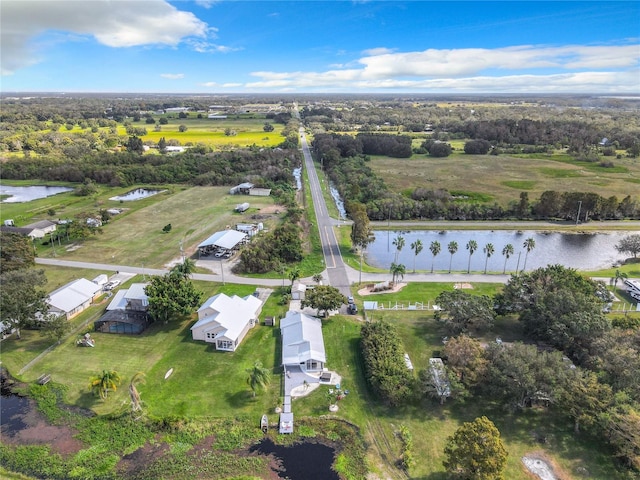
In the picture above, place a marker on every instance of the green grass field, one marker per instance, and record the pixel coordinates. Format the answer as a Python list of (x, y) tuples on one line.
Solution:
[(135, 236), (502, 178)]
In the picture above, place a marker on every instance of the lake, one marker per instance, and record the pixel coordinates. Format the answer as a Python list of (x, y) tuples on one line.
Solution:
[(28, 193), (580, 251), (300, 461)]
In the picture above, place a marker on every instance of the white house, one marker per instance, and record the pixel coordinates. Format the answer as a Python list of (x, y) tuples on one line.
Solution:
[(224, 321), (298, 290), (302, 342), (73, 298), (33, 230)]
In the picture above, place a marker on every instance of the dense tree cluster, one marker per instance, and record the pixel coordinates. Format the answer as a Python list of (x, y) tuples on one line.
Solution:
[(172, 295), (267, 252), (385, 369)]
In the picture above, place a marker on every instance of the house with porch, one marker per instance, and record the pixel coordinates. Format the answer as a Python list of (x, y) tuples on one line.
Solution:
[(127, 311), (224, 321), (302, 342)]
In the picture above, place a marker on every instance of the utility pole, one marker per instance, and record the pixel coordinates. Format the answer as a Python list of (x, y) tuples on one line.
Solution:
[(579, 207), (222, 271)]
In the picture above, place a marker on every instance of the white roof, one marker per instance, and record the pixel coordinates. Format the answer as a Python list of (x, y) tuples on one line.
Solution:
[(228, 316), (226, 239), (73, 294), (301, 339), (122, 296)]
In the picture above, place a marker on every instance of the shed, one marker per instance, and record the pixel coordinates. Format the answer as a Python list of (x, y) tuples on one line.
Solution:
[(298, 290), (100, 279), (270, 321), (242, 189), (242, 207)]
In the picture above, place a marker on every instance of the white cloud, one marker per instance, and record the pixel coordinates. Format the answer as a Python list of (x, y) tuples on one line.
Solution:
[(206, 3), (172, 76), (378, 51), (572, 68), (120, 23), (221, 85)]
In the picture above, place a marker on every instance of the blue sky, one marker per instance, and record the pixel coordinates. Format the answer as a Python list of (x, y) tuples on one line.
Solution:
[(207, 46)]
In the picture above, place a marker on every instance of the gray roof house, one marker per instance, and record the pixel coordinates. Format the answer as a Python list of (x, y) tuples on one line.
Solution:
[(127, 311), (302, 342), (73, 297), (225, 321), (33, 230)]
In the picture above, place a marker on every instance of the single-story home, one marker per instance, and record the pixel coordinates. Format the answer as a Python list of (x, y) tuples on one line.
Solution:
[(73, 297), (224, 321), (302, 342), (33, 230), (127, 311)]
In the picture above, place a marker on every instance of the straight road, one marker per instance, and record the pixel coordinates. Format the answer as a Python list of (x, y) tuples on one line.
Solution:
[(335, 268)]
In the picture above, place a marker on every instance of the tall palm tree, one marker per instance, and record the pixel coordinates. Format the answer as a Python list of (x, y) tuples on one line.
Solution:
[(417, 248), (399, 244), (134, 395), (453, 248), (507, 251), (104, 383), (472, 246), (618, 276), (397, 270), (435, 248), (529, 244), (259, 377), (488, 251)]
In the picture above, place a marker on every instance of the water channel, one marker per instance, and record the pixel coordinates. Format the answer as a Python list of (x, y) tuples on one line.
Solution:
[(582, 251), (28, 193)]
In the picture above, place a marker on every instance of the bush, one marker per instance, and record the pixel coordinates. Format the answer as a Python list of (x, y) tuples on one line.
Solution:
[(477, 147)]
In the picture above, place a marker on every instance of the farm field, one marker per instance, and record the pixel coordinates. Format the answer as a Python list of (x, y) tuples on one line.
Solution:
[(501, 178)]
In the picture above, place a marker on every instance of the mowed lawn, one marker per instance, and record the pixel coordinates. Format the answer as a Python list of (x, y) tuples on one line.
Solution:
[(502, 177), (204, 382), (136, 237)]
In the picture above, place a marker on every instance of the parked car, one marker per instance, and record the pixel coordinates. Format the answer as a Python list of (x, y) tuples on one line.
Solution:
[(111, 285), (350, 300), (352, 309)]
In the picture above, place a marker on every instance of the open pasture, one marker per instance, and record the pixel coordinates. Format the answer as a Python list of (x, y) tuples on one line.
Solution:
[(501, 178), (135, 236)]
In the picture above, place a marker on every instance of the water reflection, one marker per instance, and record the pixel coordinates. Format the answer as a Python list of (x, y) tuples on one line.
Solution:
[(32, 192), (136, 194), (579, 251), (301, 461)]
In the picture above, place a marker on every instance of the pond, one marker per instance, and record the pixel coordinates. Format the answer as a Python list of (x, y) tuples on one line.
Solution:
[(31, 192), (580, 251), (137, 194), (301, 461), (13, 408)]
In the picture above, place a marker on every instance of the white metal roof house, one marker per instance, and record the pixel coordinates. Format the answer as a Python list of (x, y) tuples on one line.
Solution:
[(132, 298), (302, 342), (224, 321), (73, 297)]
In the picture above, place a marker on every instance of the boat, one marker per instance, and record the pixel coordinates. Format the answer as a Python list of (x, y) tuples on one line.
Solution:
[(264, 423)]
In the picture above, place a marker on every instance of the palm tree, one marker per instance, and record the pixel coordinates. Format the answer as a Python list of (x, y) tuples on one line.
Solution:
[(317, 278), (399, 244), (488, 251), (136, 403), (472, 246), (507, 251), (435, 248), (529, 244), (453, 248), (397, 270), (294, 274), (102, 384), (618, 276), (259, 377), (186, 268), (417, 248)]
